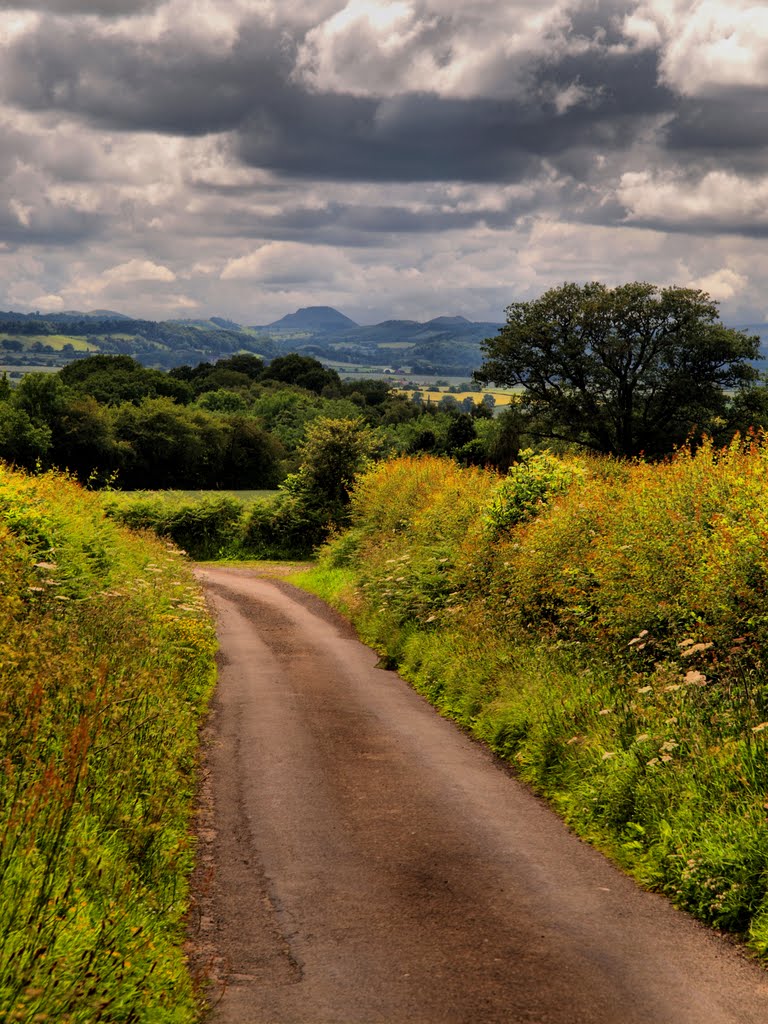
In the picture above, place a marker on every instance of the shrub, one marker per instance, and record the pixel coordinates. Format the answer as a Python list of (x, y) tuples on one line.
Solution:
[(528, 487), (205, 528), (314, 501)]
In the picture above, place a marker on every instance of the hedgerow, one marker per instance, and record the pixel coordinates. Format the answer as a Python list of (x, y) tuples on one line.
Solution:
[(106, 664), (604, 626)]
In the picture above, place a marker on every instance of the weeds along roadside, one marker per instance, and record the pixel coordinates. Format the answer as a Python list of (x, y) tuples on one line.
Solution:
[(602, 625), (106, 665)]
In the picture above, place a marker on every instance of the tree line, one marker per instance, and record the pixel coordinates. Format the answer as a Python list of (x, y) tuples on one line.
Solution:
[(233, 424), (628, 370)]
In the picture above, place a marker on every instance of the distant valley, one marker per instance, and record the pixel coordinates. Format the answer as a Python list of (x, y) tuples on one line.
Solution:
[(444, 346)]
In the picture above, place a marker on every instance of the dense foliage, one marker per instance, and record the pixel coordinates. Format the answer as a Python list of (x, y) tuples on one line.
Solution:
[(604, 626), (235, 424), (624, 370), (314, 501), (106, 664)]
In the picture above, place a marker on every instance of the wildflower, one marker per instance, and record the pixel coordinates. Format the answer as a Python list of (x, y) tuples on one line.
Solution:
[(759, 728), (605, 711), (695, 649), (693, 678), (608, 755), (642, 737), (645, 689)]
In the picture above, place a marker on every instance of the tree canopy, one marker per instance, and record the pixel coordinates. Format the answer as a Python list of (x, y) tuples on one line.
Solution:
[(625, 370)]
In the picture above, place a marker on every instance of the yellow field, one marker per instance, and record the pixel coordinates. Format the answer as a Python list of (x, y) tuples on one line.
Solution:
[(501, 397)]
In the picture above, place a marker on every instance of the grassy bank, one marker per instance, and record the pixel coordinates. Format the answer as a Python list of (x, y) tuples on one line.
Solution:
[(604, 626), (106, 664)]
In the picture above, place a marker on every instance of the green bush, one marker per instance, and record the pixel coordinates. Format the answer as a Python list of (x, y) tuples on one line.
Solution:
[(314, 502), (529, 486), (205, 528)]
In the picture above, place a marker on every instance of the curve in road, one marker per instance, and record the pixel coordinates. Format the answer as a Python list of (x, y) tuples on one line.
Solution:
[(365, 861)]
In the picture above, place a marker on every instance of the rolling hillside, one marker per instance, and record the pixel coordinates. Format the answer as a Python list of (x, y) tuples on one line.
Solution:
[(447, 345)]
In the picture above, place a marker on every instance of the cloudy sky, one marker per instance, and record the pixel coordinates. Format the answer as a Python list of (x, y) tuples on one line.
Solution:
[(240, 158)]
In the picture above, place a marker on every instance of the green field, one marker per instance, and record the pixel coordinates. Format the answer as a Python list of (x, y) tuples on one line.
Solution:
[(175, 497), (54, 341), (15, 372)]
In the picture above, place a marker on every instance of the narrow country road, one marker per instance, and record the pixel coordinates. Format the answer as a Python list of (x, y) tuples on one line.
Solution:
[(363, 861)]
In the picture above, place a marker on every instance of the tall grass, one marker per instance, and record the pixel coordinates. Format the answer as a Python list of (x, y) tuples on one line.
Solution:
[(106, 663), (604, 626)]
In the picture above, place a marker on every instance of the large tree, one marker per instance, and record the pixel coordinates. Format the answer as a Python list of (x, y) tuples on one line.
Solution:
[(625, 370)]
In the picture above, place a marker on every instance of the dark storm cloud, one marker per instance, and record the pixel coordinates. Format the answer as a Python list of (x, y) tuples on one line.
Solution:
[(415, 138), (364, 224), (730, 130), (170, 86), (421, 137)]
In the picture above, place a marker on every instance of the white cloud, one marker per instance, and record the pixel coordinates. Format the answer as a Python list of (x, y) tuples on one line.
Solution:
[(287, 263), (47, 302), (21, 211), (718, 198), (378, 48), (16, 24), (722, 284), (137, 270), (706, 45)]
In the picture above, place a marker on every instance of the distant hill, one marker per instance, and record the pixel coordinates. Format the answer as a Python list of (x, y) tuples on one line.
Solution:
[(443, 346), (316, 319)]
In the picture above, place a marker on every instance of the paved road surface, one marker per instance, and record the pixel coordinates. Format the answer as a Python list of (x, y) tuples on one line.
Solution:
[(364, 862)]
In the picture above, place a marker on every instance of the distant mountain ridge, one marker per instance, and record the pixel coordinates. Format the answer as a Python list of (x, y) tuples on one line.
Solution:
[(445, 346), (448, 345), (442, 346)]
